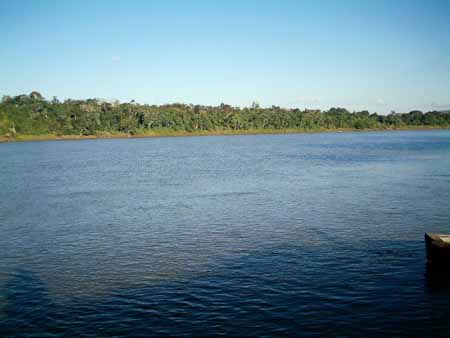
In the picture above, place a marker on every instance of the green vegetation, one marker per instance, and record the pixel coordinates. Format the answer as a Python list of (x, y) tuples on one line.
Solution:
[(33, 117)]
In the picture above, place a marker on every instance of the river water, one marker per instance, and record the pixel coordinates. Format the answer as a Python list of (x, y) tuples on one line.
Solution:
[(255, 235)]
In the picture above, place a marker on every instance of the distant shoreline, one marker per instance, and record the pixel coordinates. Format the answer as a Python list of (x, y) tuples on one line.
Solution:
[(158, 134)]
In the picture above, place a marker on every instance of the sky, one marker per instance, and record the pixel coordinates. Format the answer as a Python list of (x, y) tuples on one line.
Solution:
[(376, 55)]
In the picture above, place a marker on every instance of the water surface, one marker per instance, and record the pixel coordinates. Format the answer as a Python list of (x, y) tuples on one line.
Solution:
[(265, 235)]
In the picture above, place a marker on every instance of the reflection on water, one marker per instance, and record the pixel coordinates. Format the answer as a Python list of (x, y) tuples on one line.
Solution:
[(438, 278), (26, 304), (243, 236)]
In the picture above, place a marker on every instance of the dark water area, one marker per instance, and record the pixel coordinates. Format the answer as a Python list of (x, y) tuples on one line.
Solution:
[(269, 235)]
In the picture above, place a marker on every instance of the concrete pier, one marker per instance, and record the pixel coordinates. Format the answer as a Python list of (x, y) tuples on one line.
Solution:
[(438, 249)]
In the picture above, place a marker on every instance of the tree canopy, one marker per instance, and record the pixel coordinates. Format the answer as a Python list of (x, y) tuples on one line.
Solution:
[(33, 115)]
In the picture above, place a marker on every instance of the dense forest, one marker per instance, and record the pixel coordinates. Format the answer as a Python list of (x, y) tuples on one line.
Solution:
[(33, 115)]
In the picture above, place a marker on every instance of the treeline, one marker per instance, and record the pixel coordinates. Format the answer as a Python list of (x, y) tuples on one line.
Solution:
[(33, 115)]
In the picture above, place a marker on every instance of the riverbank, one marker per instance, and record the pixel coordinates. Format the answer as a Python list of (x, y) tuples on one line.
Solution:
[(172, 133)]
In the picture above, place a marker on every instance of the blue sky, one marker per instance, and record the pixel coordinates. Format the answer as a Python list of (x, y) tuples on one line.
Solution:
[(376, 55)]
